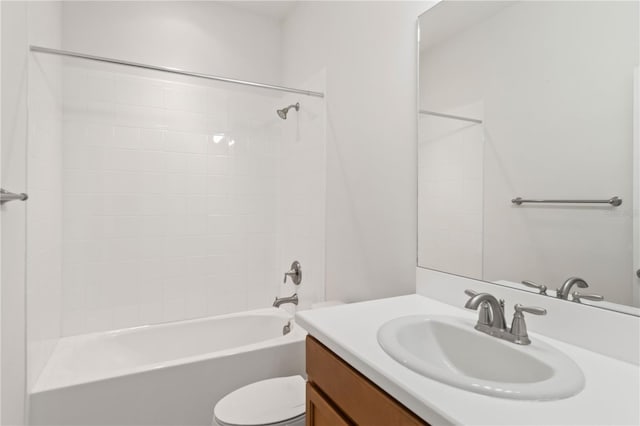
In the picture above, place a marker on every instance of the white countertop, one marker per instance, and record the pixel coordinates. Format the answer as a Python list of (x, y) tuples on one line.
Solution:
[(611, 395)]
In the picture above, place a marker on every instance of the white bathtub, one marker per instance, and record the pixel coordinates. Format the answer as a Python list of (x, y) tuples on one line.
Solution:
[(167, 374)]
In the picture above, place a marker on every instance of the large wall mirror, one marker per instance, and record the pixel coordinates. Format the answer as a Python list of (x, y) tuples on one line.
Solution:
[(528, 158)]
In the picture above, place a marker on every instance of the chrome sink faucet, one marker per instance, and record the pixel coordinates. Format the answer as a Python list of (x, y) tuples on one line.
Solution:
[(491, 317), (563, 292), (491, 310), (282, 300)]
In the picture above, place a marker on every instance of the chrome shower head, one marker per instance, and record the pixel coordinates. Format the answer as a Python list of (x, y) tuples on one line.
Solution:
[(282, 113)]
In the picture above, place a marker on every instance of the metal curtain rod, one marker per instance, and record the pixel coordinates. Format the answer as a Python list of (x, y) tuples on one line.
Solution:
[(614, 201), (454, 117), (173, 71)]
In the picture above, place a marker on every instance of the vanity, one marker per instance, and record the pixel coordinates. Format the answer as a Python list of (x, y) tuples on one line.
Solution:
[(352, 380)]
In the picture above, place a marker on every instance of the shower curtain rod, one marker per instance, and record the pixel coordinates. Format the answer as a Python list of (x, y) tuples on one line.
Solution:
[(455, 117), (173, 71)]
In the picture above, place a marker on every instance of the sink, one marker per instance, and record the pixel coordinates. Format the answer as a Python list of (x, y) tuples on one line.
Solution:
[(451, 351)]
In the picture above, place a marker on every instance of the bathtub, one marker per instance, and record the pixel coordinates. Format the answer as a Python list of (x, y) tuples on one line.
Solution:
[(166, 374)]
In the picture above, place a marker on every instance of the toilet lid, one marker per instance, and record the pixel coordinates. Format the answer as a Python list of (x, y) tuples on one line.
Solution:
[(264, 402)]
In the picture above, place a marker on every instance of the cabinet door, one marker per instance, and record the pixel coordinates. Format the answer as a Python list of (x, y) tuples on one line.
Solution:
[(352, 393), (320, 412)]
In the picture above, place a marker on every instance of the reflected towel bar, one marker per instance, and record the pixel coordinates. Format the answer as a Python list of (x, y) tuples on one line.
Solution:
[(614, 201), (453, 117)]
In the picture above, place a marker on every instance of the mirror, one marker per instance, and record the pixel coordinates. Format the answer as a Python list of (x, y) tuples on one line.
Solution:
[(522, 102)]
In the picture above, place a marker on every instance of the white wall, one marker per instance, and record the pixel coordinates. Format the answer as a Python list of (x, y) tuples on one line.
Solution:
[(369, 51), (14, 127), (44, 180), (208, 37), (160, 222), (0, 221), (572, 138), (27, 338), (450, 185)]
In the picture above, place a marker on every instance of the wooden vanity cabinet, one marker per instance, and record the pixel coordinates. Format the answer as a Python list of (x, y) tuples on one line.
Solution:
[(338, 395)]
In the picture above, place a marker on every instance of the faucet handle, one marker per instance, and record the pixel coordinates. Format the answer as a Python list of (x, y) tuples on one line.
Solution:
[(295, 273), (539, 287), (594, 297), (470, 292), (530, 309), (519, 327)]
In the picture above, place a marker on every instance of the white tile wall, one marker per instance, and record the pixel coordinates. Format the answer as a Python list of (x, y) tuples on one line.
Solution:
[(162, 223), (450, 192), (301, 195)]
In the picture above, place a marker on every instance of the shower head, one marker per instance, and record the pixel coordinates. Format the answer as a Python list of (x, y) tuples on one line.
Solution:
[(282, 113)]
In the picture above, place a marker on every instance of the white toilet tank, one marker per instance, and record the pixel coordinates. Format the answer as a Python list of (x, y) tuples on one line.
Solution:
[(275, 402)]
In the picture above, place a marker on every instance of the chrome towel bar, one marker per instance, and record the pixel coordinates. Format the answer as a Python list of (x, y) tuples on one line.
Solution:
[(454, 117), (614, 201), (10, 196)]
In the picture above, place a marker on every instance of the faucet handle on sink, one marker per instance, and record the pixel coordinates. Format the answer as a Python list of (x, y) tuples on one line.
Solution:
[(530, 309), (519, 327)]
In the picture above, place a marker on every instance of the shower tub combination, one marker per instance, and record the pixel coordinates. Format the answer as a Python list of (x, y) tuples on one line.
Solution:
[(166, 374)]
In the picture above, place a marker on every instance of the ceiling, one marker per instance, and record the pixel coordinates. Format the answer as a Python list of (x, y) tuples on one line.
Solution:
[(449, 18), (278, 10)]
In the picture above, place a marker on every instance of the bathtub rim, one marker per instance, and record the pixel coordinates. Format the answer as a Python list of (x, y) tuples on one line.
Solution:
[(47, 382)]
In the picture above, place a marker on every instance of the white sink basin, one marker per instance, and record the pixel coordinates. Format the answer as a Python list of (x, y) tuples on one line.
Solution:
[(450, 350)]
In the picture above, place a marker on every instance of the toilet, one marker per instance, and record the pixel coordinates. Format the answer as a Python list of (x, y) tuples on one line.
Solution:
[(274, 402)]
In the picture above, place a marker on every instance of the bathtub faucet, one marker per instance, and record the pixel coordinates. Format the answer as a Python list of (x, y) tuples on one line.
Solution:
[(291, 299)]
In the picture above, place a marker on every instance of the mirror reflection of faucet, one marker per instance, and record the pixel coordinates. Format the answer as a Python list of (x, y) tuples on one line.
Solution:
[(593, 297), (541, 288), (565, 290)]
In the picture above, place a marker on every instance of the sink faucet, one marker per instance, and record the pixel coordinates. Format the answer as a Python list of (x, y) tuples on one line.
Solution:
[(491, 319), (281, 300), (496, 308), (563, 292)]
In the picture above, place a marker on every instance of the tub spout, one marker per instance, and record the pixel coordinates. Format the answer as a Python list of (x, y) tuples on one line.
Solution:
[(281, 300)]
